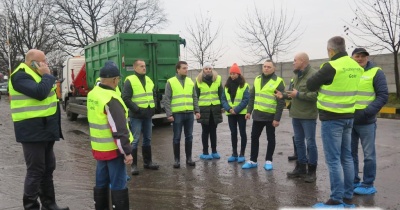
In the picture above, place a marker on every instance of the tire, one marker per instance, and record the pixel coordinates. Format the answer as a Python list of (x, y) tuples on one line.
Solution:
[(70, 115)]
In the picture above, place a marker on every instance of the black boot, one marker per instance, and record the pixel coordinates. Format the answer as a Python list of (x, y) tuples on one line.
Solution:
[(100, 196), (134, 169), (120, 199), (188, 151), (177, 154), (294, 157), (48, 198), (299, 171), (311, 174), (31, 202), (147, 162)]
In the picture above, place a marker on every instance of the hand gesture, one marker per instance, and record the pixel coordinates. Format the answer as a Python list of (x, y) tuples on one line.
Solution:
[(275, 123), (42, 68), (278, 94), (293, 93), (247, 116), (198, 116), (128, 159), (170, 118)]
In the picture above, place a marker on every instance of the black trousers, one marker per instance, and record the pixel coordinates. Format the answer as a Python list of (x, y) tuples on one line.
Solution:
[(209, 130), (256, 131), (40, 164), (234, 121)]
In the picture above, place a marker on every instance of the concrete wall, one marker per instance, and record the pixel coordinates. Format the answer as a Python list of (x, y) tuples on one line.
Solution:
[(285, 70)]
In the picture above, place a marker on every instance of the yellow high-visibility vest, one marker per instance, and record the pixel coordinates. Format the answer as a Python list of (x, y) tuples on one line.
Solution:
[(101, 137), (339, 97), (209, 94), (182, 97), (366, 93), (116, 89), (142, 97), (238, 99), (264, 99), (24, 107)]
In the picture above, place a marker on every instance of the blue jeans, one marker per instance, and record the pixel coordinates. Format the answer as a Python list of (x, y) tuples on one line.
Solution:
[(336, 139), (186, 121), (305, 129), (366, 134), (139, 126), (111, 172)]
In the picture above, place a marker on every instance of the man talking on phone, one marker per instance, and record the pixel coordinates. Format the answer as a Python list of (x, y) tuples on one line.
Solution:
[(37, 125)]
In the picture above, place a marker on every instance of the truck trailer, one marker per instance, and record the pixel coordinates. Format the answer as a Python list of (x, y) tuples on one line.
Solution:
[(161, 52)]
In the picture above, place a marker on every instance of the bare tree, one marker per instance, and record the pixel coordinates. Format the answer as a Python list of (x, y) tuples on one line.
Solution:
[(265, 36), (202, 40), (8, 50), (137, 16), (79, 22), (30, 24), (377, 23)]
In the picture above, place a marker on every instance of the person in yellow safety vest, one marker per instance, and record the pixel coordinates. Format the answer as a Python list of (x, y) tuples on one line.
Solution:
[(209, 90), (267, 112), (139, 96), (372, 95), (110, 139), (180, 103), (337, 83), (36, 115), (234, 100)]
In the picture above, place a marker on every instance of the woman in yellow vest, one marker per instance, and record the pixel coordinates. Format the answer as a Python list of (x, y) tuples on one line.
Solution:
[(234, 100), (209, 91)]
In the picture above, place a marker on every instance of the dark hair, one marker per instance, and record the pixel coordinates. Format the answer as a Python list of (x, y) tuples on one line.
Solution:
[(337, 44), (241, 79), (178, 65), (136, 61), (270, 61)]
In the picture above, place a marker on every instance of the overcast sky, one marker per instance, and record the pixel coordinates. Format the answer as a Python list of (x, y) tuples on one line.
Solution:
[(321, 20)]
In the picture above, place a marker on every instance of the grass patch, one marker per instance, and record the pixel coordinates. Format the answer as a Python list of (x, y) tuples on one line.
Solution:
[(393, 101)]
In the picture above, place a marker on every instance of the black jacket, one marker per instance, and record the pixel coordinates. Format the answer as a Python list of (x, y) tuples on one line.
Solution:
[(368, 115), (134, 110), (42, 128), (325, 77)]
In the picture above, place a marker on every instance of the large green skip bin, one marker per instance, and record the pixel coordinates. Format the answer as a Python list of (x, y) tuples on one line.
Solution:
[(159, 51)]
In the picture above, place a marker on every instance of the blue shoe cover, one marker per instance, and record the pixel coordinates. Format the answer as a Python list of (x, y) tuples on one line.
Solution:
[(216, 155), (232, 159), (241, 159), (249, 164)]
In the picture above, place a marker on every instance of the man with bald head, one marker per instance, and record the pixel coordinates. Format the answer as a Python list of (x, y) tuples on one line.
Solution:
[(36, 116), (304, 113)]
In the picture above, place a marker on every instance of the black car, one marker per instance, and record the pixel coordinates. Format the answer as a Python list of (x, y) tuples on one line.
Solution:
[(4, 88)]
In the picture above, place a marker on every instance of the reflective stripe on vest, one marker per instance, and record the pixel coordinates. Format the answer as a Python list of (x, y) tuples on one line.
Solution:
[(209, 94), (141, 97), (238, 99), (182, 97), (116, 89), (339, 97), (264, 99), (101, 137), (366, 92), (24, 107)]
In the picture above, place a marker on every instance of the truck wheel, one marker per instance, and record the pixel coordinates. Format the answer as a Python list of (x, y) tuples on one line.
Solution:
[(70, 115)]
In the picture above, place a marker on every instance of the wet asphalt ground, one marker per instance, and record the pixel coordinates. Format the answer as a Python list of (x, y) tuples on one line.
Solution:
[(212, 184)]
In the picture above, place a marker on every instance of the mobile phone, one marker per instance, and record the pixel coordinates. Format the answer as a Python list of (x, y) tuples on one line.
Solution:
[(34, 64)]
